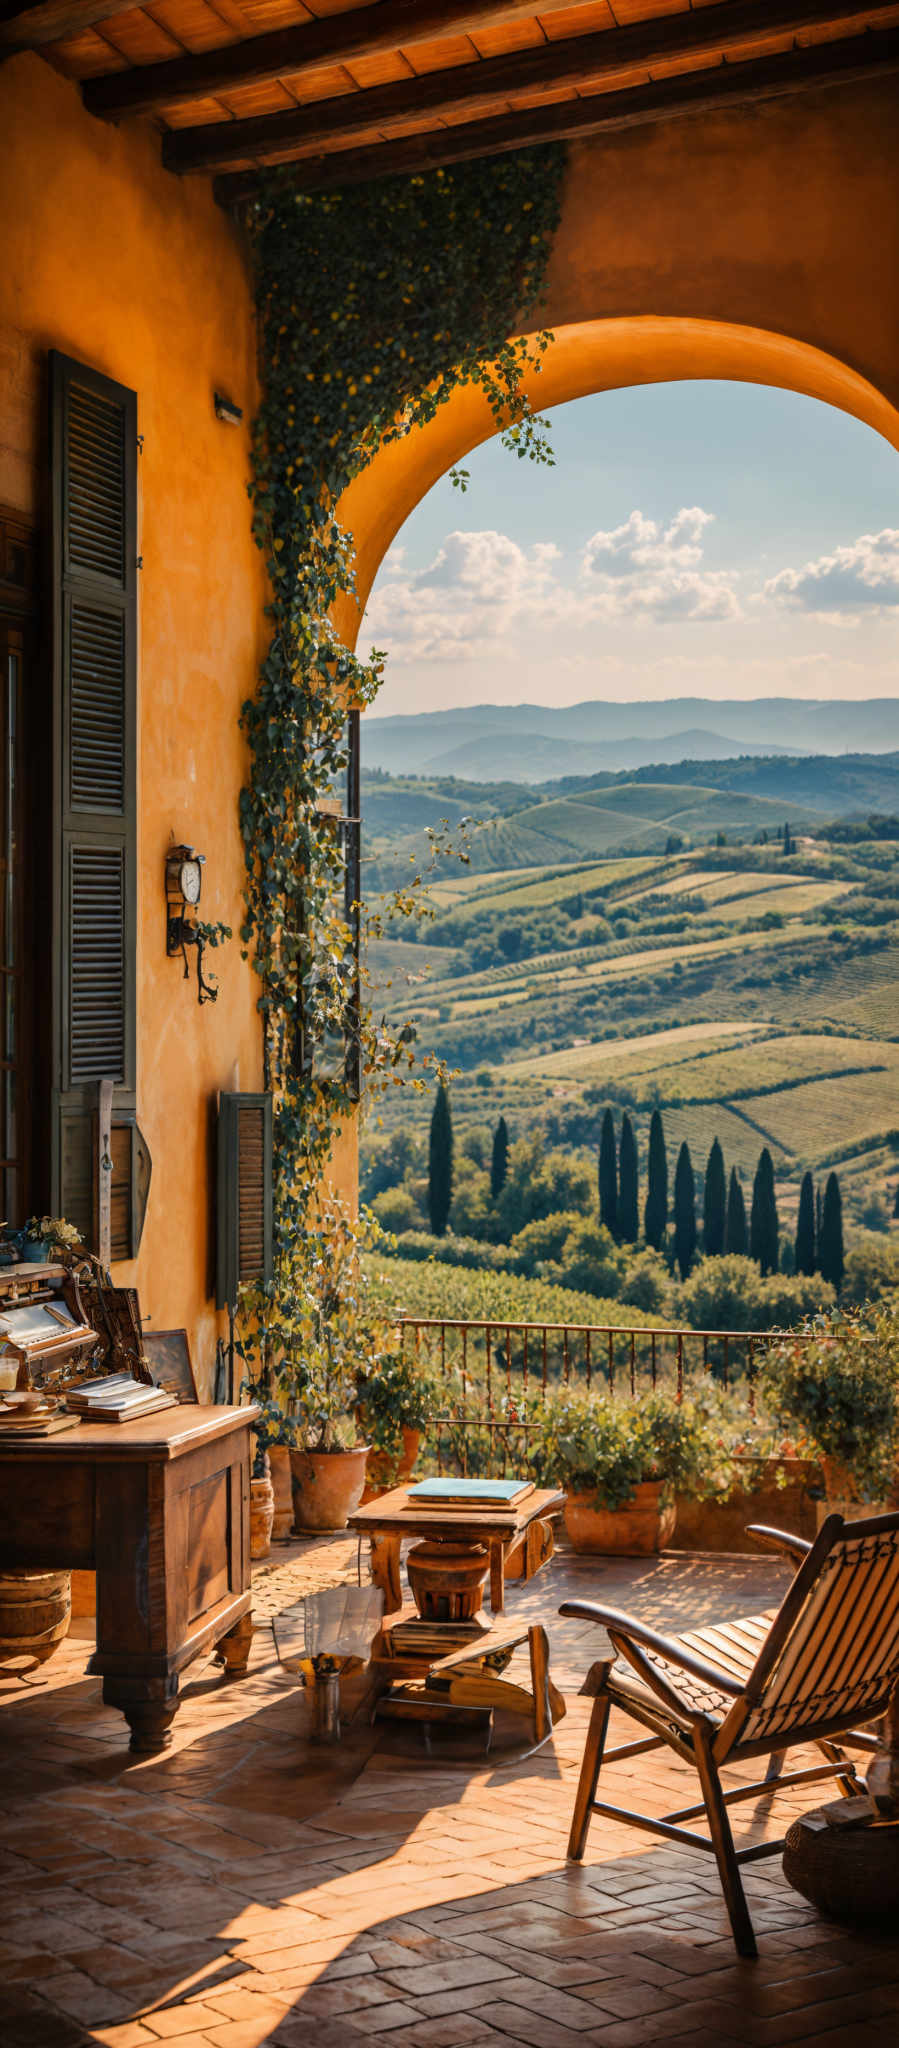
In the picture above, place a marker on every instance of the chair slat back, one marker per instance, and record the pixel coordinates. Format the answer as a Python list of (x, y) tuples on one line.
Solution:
[(833, 1651)]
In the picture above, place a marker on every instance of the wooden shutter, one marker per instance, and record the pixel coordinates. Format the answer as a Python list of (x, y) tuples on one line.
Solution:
[(93, 464), (244, 1187)]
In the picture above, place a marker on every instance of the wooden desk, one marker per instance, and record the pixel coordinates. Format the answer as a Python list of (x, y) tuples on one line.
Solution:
[(519, 1539), (160, 1509)]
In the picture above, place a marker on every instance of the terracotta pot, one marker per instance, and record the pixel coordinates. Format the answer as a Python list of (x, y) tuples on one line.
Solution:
[(327, 1486), (636, 1530), (282, 1488), (447, 1579), (35, 1611), (262, 1515), (382, 1473)]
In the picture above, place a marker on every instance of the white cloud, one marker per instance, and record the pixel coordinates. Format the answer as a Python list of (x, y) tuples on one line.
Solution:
[(482, 589), (466, 599), (841, 587), (644, 570)]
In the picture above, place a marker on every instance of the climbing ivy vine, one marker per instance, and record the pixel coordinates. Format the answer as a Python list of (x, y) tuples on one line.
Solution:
[(374, 305)]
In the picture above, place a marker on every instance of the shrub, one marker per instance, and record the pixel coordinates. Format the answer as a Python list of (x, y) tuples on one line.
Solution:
[(592, 1443), (396, 1210), (647, 1283), (872, 1270), (542, 1241), (842, 1387), (729, 1294), (591, 1260)]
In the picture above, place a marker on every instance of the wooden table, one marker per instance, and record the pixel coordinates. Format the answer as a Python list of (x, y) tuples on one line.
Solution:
[(519, 1539), (160, 1509)]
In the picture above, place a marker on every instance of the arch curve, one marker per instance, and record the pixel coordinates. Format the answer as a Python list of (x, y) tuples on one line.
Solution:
[(586, 357)]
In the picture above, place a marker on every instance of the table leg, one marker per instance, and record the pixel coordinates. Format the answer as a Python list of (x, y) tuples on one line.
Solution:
[(234, 1649), (385, 1570), (149, 1706), (539, 1547), (497, 1577)]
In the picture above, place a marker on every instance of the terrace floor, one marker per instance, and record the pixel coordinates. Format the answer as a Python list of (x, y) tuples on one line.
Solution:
[(244, 1888)]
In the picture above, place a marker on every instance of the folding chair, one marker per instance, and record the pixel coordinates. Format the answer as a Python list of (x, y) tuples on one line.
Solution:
[(805, 1672)]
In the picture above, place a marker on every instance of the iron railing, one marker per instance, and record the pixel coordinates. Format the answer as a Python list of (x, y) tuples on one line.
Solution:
[(489, 1373)]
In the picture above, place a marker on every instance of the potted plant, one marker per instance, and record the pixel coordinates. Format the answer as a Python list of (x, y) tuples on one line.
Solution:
[(262, 1504), (330, 1338), (838, 1381), (41, 1235), (622, 1462), (274, 1433), (396, 1402)]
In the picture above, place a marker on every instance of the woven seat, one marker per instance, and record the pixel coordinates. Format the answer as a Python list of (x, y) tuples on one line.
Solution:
[(734, 1648), (807, 1672)]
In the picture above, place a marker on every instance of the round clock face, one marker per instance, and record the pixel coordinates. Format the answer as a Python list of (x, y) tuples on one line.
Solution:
[(189, 880)]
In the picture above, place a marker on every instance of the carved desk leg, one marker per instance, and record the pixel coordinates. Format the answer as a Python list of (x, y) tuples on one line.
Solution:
[(385, 1570), (234, 1649), (149, 1706)]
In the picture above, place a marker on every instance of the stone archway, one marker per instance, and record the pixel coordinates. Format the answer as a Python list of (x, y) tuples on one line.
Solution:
[(760, 245), (584, 358)]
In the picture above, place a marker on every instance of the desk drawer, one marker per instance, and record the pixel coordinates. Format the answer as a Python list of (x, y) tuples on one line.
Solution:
[(47, 1517)]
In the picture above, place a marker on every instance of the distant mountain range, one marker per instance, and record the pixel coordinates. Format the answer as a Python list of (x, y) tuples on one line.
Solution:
[(542, 743)]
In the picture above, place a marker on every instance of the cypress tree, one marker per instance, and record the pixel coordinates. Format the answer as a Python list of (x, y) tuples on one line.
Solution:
[(736, 1235), (655, 1214), (499, 1164), (763, 1232), (788, 839), (628, 1196), (440, 1163), (714, 1204), (896, 1200), (684, 1211), (830, 1242), (805, 1227), (818, 1210), (608, 1175)]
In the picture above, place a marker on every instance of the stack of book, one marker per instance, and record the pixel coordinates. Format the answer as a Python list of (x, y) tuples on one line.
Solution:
[(117, 1398), (472, 1494), (29, 1414)]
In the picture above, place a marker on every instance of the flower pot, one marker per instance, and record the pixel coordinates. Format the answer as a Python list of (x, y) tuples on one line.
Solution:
[(36, 1252), (382, 1472), (35, 1611), (262, 1515), (635, 1530), (327, 1486), (279, 1466)]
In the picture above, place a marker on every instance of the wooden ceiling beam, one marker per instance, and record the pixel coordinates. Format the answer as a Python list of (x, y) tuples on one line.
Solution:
[(30, 24), (601, 57), (699, 92), (311, 47)]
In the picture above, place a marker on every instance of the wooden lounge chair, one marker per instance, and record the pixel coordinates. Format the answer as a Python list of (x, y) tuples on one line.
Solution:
[(807, 1672)]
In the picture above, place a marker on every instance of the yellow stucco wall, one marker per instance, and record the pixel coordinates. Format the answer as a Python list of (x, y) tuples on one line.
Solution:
[(109, 258), (759, 243)]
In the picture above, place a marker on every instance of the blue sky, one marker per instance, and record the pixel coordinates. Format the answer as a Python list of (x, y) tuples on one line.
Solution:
[(722, 540)]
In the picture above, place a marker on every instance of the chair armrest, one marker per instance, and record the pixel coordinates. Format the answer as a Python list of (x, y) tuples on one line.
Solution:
[(631, 1630), (779, 1539)]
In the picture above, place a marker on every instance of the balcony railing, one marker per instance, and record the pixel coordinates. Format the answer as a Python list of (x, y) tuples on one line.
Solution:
[(488, 1374)]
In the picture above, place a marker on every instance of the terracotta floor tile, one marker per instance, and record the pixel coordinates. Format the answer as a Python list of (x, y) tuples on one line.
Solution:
[(172, 2022), (242, 1890)]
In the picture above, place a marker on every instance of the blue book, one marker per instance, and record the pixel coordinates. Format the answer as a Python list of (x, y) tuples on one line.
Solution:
[(469, 1493)]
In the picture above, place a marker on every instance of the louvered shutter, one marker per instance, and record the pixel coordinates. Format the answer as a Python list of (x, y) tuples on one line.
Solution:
[(93, 456), (244, 1193)]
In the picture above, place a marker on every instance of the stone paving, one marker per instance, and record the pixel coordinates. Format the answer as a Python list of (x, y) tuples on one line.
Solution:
[(244, 1888)]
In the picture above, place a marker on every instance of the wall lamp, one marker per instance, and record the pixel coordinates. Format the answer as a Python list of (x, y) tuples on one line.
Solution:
[(225, 409)]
